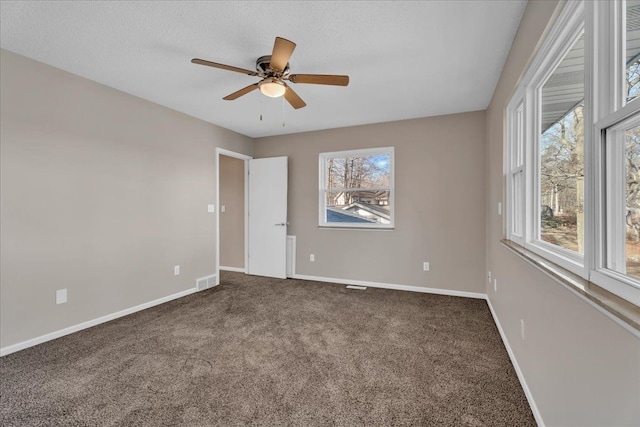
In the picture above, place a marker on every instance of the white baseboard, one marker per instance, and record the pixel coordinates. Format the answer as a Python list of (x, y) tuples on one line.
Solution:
[(534, 408), (392, 286), (236, 269), (75, 328)]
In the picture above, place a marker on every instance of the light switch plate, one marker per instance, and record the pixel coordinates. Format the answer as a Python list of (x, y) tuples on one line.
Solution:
[(211, 208)]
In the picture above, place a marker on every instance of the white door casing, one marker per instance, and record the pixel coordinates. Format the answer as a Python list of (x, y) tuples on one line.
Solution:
[(219, 152), (268, 217)]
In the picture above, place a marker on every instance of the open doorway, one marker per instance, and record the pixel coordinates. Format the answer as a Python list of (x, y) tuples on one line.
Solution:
[(232, 211)]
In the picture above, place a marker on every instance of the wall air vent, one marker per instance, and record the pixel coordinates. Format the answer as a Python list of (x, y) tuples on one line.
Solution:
[(206, 282)]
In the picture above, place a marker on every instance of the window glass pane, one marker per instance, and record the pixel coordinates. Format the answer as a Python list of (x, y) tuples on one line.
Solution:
[(562, 153), (358, 172), (517, 197), (632, 199), (363, 207), (632, 54), (519, 146)]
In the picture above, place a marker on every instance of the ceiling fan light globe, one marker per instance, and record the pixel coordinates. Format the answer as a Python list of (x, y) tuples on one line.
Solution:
[(272, 88)]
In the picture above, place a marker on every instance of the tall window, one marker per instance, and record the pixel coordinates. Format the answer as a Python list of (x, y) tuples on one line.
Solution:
[(356, 188), (575, 196), (561, 146), (516, 170), (623, 197)]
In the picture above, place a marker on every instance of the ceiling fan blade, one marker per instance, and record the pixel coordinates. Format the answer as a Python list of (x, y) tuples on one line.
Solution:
[(282, 50), (320, 79), (293, 98), (241, 92), (224, 67)]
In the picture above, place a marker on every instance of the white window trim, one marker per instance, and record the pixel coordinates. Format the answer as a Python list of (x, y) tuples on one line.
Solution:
[(322, 191), (613, 202), (611, 112), (569, 26), (512, 166), (605, 108)]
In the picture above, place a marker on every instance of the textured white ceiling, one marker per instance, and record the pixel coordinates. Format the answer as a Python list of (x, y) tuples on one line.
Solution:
[(405, 59)]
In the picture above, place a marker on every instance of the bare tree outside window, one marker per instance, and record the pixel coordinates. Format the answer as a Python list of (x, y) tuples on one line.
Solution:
[(562, 153), (632, 49), (561, 182), (632, 200), (632, 140), (357, 188)]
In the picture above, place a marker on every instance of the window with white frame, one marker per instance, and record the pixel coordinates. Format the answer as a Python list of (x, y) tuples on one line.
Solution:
[(516, 170), (356, 188), (572, 164), (559, 138)]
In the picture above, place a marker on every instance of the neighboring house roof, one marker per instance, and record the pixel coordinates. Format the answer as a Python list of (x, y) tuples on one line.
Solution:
[(380, 211), (368, 194), (338, 215)]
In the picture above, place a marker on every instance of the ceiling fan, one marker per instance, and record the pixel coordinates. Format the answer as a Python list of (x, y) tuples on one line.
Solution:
[(274, 72)]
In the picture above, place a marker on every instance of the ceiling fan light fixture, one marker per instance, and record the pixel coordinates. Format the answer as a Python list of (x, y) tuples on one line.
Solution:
[(272, 88)]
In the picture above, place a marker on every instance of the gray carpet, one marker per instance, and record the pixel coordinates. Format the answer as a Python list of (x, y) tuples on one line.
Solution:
[(259, 351)]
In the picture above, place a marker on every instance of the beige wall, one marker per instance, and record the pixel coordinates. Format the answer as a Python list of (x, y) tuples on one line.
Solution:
[(102, 193), (581, 367), (439, 203), (232, 219)]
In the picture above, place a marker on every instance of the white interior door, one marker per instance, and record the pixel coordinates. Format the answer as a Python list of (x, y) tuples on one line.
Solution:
[(268, 217)]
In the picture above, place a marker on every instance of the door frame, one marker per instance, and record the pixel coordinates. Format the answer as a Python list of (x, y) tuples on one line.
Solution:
[(245, 158)]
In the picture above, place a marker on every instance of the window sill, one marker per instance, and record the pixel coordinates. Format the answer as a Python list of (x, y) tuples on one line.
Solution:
[(623, 312), (331, 227)]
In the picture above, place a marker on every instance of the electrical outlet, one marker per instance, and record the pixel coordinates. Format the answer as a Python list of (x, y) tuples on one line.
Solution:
[(495, 285), (176, 270), (489, 276), (223, 208), (61, 296), (425, 266), (499, 208), (211, 208), (312, 258), (522, 329)]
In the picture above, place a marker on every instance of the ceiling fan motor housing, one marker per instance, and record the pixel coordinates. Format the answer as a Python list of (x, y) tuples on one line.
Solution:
[(263, 67)]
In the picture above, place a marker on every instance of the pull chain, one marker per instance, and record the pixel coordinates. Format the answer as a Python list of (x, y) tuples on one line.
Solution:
[(283, 111), (260, 108)]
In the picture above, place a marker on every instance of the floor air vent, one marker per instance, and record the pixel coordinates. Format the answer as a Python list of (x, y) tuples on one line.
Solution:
[(360, 288)]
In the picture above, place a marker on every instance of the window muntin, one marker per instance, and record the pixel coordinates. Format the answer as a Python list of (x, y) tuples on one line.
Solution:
[(561, 153), (356, 188)]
